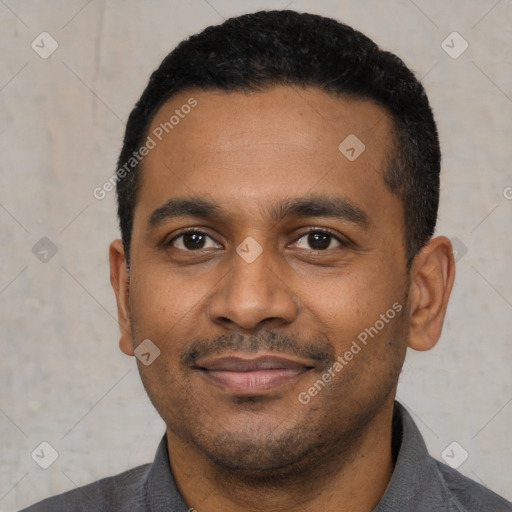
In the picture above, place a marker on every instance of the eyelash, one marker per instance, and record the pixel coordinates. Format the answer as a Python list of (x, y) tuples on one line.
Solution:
[(325, 231)]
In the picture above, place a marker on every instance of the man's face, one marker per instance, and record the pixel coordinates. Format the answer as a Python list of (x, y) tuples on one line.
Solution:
[(259, 254)]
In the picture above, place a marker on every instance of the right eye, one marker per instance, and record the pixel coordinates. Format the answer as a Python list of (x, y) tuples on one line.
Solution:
[(192, 240)]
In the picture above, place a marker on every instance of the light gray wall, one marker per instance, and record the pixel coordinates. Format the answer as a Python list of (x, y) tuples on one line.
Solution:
[(63, 379)]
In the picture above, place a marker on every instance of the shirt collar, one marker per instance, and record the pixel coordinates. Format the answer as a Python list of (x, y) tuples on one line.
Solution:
[(161, 493), (415, 471)]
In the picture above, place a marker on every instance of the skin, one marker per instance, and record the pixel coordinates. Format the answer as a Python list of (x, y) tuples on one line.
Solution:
[(247, 152)]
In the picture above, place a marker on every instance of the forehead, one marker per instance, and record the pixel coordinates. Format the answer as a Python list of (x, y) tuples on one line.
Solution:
[(243, 149)]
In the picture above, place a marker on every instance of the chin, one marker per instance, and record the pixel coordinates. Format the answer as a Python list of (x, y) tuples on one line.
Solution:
[(253, 460), (261, 454)]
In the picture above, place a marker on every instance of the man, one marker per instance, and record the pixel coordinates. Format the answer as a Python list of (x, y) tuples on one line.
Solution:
[(278, 190)]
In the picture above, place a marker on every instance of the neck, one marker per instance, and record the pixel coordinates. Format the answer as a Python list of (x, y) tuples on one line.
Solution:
[(352, 478)]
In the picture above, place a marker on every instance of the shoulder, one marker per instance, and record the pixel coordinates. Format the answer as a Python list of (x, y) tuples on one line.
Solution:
[(421, 483), (120, 493), (468, 495)]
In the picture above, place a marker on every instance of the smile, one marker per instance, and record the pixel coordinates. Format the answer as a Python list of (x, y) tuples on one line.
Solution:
[(244, 376)]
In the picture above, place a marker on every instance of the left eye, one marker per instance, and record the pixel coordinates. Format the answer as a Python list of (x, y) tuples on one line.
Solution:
[(318, 241), (192, 241)]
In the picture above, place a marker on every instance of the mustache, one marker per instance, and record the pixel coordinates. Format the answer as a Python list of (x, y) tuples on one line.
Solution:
[(317, 349)]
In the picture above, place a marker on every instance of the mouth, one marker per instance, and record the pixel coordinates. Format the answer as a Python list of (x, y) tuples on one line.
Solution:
[(252, 376)]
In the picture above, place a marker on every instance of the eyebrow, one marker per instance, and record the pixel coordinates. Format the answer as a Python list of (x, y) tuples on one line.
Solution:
[(310, 206), (201, 208), (320, 206)]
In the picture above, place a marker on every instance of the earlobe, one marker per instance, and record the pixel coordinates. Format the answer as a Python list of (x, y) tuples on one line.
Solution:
[(119, 280), (432, 277)]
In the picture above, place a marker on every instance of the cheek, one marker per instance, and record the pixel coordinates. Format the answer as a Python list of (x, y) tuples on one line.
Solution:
[(163, 304), (352, 301), (162, 311)]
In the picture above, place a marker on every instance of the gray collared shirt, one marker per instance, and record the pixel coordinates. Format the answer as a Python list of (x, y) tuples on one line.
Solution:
[(419, 484)]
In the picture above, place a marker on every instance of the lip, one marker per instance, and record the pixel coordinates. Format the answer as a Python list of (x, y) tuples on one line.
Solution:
[(251, 376)]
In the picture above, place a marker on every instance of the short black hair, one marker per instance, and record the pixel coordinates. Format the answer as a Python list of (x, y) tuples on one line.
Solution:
[(268, 48)]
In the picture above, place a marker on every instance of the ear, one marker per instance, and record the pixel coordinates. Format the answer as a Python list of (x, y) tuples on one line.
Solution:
[(432, 275), (119, 278)]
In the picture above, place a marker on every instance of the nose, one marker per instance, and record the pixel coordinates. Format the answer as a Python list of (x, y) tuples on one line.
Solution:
[(253, 294)]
